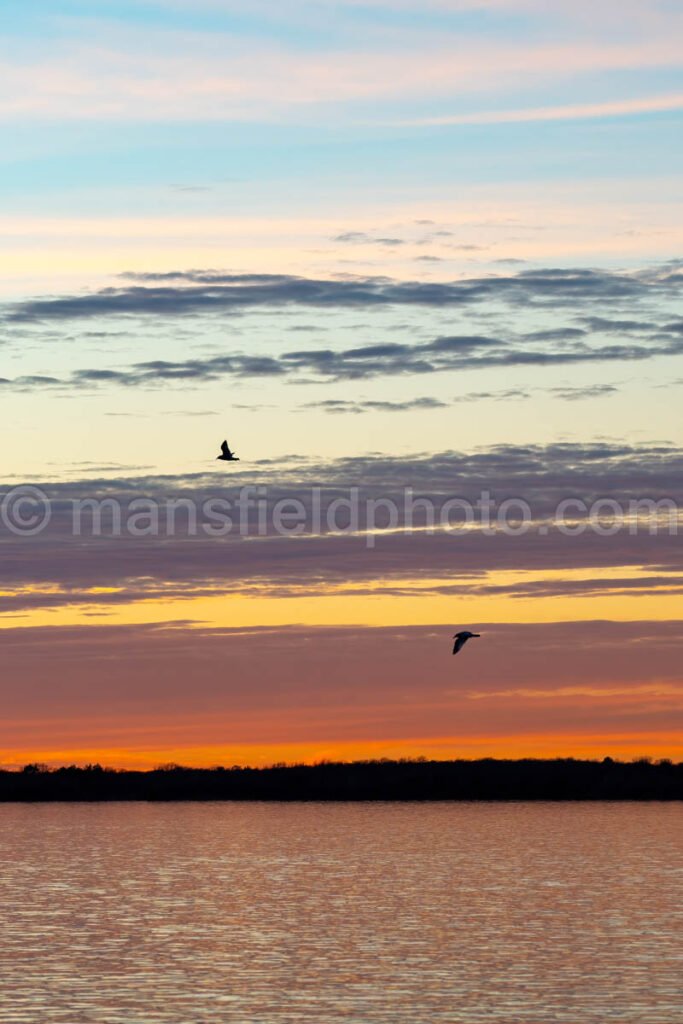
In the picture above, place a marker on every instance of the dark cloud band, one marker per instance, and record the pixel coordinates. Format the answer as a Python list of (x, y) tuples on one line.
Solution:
[(192, 292)]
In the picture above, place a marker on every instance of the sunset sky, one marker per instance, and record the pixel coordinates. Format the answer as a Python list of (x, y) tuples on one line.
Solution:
[(386, 245)]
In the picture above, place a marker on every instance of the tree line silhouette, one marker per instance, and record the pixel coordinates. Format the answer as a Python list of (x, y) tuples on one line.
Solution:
[(406, 779)]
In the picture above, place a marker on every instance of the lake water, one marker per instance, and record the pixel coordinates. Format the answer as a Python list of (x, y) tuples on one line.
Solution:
[(393, 913)]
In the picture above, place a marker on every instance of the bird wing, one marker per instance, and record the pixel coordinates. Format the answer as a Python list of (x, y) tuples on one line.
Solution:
[(459, 642), (225, 449)]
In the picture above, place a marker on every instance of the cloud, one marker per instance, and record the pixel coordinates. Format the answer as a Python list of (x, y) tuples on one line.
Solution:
[(337, 405), (498, 396), (187, 293), (70, 568), (181, 295), (444, 354), (191, 188), (597, 692), (471, 352), (362, 238), (31, 382), (120, 74), (614, 326), (353, 237), (565, 393), (572, 111), (576, 394), (636, 586)]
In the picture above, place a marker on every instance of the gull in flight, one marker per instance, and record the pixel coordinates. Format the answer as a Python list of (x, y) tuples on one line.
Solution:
[(227, 455), (461, 639)]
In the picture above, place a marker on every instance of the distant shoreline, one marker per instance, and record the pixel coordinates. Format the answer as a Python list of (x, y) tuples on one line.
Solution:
[(563, 779)]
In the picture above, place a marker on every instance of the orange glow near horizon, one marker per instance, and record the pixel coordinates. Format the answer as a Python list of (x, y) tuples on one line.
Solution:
[(622, 746)]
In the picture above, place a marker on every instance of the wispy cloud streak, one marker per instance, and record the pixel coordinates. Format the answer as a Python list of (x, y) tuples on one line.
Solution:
[(568, 112)]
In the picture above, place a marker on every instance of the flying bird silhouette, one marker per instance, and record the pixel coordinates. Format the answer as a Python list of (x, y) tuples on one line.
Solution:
[(227, 455), (461, 639)]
